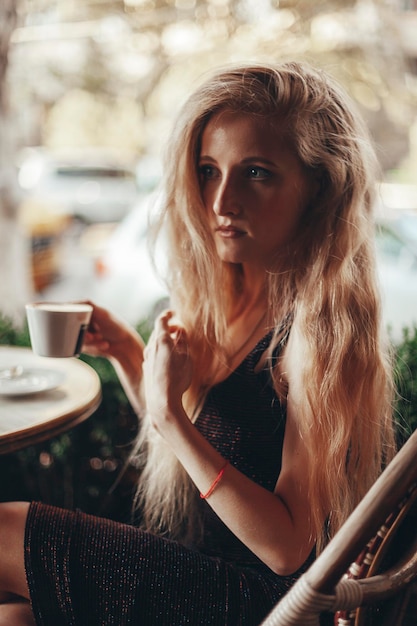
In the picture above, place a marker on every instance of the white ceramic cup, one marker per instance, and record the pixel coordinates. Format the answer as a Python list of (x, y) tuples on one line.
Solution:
[(57, 329)]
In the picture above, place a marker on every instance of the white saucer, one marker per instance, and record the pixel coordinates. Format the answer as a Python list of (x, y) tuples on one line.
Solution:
[(31, 380)]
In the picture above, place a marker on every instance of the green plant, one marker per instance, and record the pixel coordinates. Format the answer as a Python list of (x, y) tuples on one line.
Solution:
[(10, 335), (406, 383)]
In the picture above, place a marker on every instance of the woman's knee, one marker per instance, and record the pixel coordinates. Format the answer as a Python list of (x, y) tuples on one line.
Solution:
[(16, 614), (12, 563)]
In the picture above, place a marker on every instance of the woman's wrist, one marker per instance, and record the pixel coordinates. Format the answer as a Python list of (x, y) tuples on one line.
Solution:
[(126, 356), (166, 415), (128, 351), (128, 341)]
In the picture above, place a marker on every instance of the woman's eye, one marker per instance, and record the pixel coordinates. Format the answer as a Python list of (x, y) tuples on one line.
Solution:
[(257, 172), (207, 172)]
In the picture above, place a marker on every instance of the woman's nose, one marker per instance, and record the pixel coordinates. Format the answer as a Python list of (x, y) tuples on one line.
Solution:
[(226, 199)]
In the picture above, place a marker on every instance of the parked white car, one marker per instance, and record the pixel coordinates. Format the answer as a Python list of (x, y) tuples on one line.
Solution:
[(90, 186), (396, 238), (126, 281)]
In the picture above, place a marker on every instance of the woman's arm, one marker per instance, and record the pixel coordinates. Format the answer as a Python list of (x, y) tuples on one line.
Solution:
[(275, 526), (109, 337)]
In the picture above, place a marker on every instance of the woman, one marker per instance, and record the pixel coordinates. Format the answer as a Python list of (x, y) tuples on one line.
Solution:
[(267, 393)]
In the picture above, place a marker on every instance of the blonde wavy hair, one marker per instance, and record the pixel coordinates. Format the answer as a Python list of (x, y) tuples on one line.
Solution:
[(328, 290)]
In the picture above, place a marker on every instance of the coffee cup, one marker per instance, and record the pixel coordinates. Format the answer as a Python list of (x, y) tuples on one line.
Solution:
[(56, 329)]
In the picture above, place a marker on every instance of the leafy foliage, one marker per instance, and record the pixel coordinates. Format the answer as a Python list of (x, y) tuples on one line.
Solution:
[(148, 52), (406, 382), (11, 336)]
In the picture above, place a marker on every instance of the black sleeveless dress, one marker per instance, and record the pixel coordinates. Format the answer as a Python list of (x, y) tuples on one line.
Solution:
[(87, 571)]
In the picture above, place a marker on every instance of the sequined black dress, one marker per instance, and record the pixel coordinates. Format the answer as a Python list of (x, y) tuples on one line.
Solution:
[(86, 571)]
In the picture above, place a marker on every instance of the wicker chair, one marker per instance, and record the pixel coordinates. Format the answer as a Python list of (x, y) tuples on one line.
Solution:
[(367, 575)]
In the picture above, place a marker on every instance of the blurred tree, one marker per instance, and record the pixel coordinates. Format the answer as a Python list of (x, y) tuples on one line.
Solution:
[(133, 61), (151, 50), (14, 284)]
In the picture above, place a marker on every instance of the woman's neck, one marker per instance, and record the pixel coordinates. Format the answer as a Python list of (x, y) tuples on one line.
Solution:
[(247, 325), (251, 298)]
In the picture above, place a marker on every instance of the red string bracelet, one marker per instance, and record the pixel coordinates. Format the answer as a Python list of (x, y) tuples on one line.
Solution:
[(215, 482)]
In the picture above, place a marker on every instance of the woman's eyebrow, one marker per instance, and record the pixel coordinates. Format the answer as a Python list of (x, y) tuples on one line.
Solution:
[(255, 157), (245, 161)]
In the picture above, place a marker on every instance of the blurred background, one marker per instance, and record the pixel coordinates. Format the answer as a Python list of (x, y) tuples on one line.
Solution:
[(89, 89), (88, 92)]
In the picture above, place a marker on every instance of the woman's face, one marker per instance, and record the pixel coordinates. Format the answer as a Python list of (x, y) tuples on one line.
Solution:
[(254, 188)]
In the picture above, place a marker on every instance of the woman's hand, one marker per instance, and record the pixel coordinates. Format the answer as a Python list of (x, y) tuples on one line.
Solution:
[(167, 368), (109, 337), (105, 333)]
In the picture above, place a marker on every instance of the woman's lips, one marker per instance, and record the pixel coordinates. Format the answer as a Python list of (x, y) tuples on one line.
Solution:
[(230, 232)]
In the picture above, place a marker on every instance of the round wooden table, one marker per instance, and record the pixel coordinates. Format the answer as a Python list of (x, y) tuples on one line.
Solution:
[(47, 398)]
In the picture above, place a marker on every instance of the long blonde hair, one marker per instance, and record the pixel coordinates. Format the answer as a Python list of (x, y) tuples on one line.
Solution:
[(328, 289)]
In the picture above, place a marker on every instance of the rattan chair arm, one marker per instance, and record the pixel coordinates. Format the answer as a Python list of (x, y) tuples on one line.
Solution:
[(366, 519), (318, 589), (379, 587)]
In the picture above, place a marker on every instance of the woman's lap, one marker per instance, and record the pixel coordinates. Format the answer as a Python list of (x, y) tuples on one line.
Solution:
[(83, 570)]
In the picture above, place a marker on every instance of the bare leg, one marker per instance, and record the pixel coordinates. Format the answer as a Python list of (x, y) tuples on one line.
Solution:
[(12, 567)]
